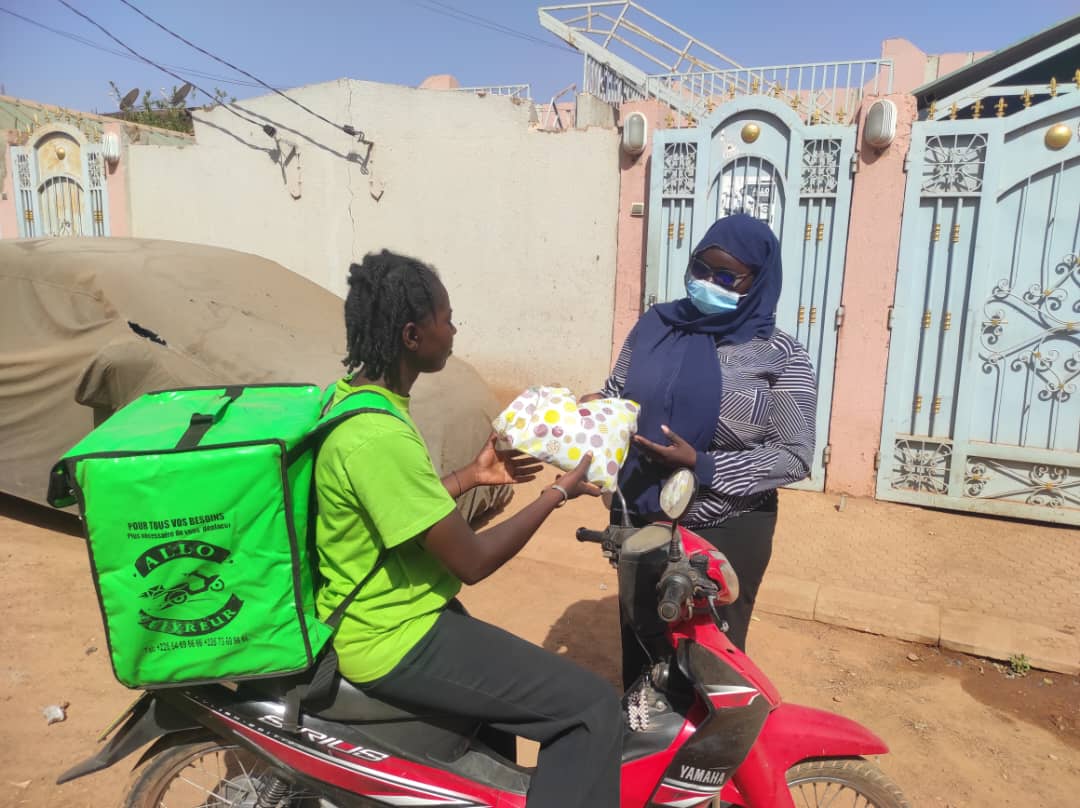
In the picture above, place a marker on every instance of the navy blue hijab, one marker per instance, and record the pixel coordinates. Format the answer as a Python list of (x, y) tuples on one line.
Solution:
[(674, 371)]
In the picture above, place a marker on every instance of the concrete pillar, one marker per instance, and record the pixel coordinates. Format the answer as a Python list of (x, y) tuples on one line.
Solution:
[(9, 220), (862, 353), (630, 253), (117, 184)]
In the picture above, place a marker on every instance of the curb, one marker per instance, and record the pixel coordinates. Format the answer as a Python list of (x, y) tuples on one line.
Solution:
[(972, 633)]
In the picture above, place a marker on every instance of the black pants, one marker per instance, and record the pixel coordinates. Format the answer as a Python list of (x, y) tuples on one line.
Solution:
[(466, 667), (746, 540)]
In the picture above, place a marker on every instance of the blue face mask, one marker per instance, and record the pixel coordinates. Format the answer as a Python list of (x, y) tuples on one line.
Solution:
[(708, 298)]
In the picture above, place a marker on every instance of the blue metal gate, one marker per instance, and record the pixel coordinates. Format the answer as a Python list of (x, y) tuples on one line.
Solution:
[(982, 409), (755, 154), (60, 187)]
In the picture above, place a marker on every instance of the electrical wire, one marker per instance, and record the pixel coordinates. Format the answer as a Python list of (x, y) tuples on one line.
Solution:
[(270, 130), (96, 46), (346, 128), (454, 13)]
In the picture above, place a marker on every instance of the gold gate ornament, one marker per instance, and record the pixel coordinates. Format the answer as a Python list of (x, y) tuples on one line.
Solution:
[(1058, 136)]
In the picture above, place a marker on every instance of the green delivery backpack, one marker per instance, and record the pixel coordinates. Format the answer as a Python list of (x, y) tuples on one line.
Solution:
[(197, 506)]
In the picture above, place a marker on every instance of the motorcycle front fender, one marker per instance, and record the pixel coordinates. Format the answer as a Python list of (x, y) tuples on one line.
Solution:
[(792, 734), (148, 719)]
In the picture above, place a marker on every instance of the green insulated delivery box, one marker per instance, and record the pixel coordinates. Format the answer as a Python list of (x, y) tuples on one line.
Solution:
[(196, 506)]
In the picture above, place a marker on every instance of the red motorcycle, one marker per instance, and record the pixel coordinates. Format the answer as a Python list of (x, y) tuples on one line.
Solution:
[(703, 724)]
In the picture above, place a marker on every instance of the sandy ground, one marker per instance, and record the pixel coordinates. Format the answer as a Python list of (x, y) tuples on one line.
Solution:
[(961, 732)]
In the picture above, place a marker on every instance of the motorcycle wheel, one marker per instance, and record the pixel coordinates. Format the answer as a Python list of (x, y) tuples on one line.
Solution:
[(843, 784), (208, 774)]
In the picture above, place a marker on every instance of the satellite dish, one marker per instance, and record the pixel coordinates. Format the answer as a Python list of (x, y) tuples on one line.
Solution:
[(179, 96), (128, 100)]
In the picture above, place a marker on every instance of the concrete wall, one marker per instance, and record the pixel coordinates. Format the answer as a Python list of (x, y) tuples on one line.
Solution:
[(521, 224)]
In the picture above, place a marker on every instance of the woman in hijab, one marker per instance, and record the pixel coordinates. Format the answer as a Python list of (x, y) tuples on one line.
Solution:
[(722, 392)]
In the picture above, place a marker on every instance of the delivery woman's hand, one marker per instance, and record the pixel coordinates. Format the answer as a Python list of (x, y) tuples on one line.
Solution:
[(576, 482), (677, 454)]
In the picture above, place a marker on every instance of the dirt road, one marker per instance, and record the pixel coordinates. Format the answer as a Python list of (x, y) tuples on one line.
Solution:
[(962, 734)]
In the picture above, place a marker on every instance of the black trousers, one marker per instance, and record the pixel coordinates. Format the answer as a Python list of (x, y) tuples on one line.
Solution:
[(746, 540), (466, 667)]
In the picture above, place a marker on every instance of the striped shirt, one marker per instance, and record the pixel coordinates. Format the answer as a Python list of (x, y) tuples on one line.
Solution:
[(765, 435)]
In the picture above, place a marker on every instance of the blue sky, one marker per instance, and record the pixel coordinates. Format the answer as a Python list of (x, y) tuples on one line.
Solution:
[(289, 44)]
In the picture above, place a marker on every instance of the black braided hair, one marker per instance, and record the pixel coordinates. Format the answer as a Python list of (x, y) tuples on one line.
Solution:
[(386, 291)]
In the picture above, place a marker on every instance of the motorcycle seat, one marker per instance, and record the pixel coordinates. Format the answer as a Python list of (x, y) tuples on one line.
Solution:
[(346, 703)]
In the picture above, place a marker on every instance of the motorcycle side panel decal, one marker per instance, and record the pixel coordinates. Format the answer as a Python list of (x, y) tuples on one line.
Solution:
[(402, 786), (727, 696), (682, 795)]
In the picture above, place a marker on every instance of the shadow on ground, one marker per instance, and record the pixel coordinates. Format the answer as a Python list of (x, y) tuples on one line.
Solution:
[(588, 633), (41, 516)]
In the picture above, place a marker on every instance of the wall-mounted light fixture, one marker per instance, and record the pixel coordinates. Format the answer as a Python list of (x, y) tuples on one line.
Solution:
[(635, 134), (879, 130), (110, 147)]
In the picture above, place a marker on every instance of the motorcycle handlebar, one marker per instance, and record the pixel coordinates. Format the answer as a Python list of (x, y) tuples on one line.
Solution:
[(675, 590), (595, 536)]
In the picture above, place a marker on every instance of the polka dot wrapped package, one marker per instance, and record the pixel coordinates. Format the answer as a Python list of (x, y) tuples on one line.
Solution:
[(548, 423)]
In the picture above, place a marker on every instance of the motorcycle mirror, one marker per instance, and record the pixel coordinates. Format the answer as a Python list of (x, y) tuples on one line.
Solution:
[(677, 494)]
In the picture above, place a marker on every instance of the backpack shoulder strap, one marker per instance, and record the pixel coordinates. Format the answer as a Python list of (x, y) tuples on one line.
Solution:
[(332, 417), (352, 404), (363, 402), (325, 669)]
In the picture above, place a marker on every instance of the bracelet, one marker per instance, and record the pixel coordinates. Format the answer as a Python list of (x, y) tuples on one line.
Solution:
[(561, 490), (457, 482)]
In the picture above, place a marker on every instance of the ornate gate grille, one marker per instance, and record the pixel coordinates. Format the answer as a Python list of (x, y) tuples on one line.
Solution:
[(982, 402), (60, 188)]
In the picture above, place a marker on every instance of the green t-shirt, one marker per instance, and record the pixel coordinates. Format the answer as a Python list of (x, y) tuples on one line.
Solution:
[(377, 489)]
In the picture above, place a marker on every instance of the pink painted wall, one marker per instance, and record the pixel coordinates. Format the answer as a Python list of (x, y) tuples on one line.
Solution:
[(913, 68), (862, 352), (9, 221), (442, 81), (630, 253), (117, 186)]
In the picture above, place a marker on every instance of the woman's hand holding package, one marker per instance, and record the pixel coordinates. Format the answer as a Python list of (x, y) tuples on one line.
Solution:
[(677, 454)]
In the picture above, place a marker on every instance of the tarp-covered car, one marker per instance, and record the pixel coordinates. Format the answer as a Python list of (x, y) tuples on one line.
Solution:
[(87, 325)]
